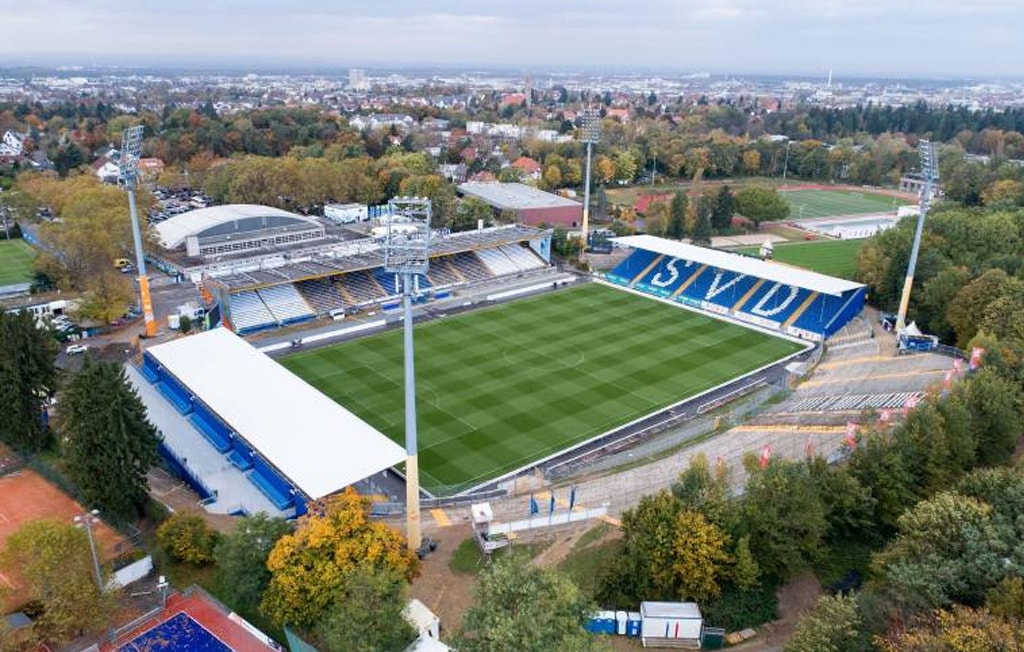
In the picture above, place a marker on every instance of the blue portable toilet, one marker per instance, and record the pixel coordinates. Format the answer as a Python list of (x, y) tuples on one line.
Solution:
[(601, 622), (620, 623), (633, 621)]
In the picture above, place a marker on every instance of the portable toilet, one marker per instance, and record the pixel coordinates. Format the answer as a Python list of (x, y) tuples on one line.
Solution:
[(670, 623), (633, 621), (620, 623), (601, 622)]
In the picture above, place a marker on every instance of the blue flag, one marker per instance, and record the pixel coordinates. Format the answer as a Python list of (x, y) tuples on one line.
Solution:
[(572, 497), (551, 505), (534, 509)]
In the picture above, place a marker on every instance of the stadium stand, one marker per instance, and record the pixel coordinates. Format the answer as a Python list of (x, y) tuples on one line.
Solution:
[(362, 287), (471, 267), (321, 294), (523, 259), (794, 301), (286, 304), (442, 274), (497, 262), (249, 314)]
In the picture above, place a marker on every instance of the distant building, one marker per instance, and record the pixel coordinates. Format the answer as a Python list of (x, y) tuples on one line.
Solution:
[(530, 168), (12, 144), (357, 79), (150, 168), (346, 213), (106, 170), (529, 205)]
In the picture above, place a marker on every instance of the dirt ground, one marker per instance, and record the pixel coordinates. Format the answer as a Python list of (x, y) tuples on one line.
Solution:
[(446, 593), (795, 599)]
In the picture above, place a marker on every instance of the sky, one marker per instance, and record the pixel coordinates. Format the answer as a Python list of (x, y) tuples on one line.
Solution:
[(892, 38)]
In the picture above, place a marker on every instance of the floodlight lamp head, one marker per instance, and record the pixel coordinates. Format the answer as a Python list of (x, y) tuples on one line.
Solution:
[(591, 126), (929, 160), (131, 152), (407, 236)]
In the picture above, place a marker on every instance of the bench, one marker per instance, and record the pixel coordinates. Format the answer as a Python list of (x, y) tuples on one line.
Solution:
[(148, 373), (180, 403), (219, 441), (239, 461), (279, 500)]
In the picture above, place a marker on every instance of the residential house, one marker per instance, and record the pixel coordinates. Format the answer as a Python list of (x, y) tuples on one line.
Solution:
[(531, 169)]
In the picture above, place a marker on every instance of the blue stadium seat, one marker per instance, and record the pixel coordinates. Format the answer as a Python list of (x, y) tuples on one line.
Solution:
[(239, 460), (820, 313), (699, 289), (728, 287), (775, 302), (212, 433), (667, 276), (389, 282), (633, 265), (268, 488), (180, 399)]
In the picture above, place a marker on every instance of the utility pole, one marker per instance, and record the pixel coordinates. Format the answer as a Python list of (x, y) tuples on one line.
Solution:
[(86, 521), (930, 171), (785, 166)]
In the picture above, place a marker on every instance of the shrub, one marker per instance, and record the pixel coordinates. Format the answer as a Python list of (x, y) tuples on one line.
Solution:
[(187, 539)]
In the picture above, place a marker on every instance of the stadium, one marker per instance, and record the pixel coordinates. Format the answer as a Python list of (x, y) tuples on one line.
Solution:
[(519, 365)]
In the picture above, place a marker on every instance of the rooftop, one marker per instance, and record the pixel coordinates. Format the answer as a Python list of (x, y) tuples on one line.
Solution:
[(514, 196), (173, 231)]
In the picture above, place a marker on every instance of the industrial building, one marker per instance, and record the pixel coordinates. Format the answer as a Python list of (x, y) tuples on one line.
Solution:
[(530, 205)]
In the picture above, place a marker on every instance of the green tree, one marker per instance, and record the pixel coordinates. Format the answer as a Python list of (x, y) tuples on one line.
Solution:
[(367, 617), (833, 625), (56, 564), (698, 559), (995, 416), (519, 607), (468, 212), (28, 378), (1006, 600), (701, 235), (677, 216), (785, 518), (241, 559), (187, 538), (724, 208), (308, 569), (761, 204), (707, 491), (971, 301), (108, 442), (746, 572)]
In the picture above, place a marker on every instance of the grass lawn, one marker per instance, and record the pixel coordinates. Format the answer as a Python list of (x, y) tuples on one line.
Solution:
[(830, 203), (832, 257), (16, 258), (503, 387)]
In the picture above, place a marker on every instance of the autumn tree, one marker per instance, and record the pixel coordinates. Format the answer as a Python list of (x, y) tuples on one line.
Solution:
[(108, 443), (28, 379), (521, 607), (960, 629), (55, 563), (187, 539), (241, 558), (698, 559), (308, 569)]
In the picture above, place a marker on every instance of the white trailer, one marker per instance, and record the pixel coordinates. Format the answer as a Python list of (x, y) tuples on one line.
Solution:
[(671, 624)]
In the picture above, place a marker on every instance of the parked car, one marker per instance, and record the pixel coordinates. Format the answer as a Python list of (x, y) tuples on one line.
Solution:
[(75, 349)]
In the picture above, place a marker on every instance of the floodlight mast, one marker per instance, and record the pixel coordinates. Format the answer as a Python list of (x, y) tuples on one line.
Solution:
[(930, 171), (407, 254), (591, 134), (127, 177)]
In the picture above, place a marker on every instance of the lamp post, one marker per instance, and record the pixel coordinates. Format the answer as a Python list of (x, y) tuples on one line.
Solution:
[(785, 166), (127, 176), (591, 134), (407, 256), (930, 171), (86, 521)]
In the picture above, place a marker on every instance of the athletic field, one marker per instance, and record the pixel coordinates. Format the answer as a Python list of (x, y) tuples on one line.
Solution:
[(16, 258), (832, 257), (502, 387), (829, 203)]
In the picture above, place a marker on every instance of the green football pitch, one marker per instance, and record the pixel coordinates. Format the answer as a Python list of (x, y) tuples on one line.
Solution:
[(832, 257), (16, 258), (505, 386), (830, 203)]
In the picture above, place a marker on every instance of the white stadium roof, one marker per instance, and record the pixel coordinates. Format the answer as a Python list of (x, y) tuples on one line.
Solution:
[(775, 272), (174, 230), (317, 444)]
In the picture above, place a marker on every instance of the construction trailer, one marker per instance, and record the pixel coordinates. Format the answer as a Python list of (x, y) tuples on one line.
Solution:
[(671, 624)]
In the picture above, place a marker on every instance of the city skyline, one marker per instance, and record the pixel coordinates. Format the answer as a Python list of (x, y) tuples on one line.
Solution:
[(853, 37)]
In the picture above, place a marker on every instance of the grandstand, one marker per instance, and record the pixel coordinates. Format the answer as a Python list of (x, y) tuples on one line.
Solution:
[(276, 292), (251, 436), (773, 296)]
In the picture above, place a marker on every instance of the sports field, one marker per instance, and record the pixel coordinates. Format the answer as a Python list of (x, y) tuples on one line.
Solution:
[(501, 387), (829, 203), (832, 257), (16, 258)]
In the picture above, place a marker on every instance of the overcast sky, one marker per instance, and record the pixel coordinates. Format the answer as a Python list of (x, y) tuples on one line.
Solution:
[(899, 38)]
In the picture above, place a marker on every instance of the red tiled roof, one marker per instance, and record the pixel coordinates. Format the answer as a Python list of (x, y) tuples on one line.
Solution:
[(526, 164), (643, 202)]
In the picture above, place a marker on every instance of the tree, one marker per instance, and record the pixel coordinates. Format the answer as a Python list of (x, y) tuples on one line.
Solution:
[(995, 417), (55, 563), (552, 177), (677, 216), (947, 549), (833, 625), (367, 617), (960, 629), (28, 379), (971, 301), (108, 442), (308, 569), (519, 607), (761, 204), (469, 212), (698, 559), (241, 559), (746, 573), (701, 235), (1006, 600), (724, 207), (187, 538)]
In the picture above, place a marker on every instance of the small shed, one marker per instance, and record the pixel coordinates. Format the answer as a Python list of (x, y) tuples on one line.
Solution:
[(423, 620), (671, 624)]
